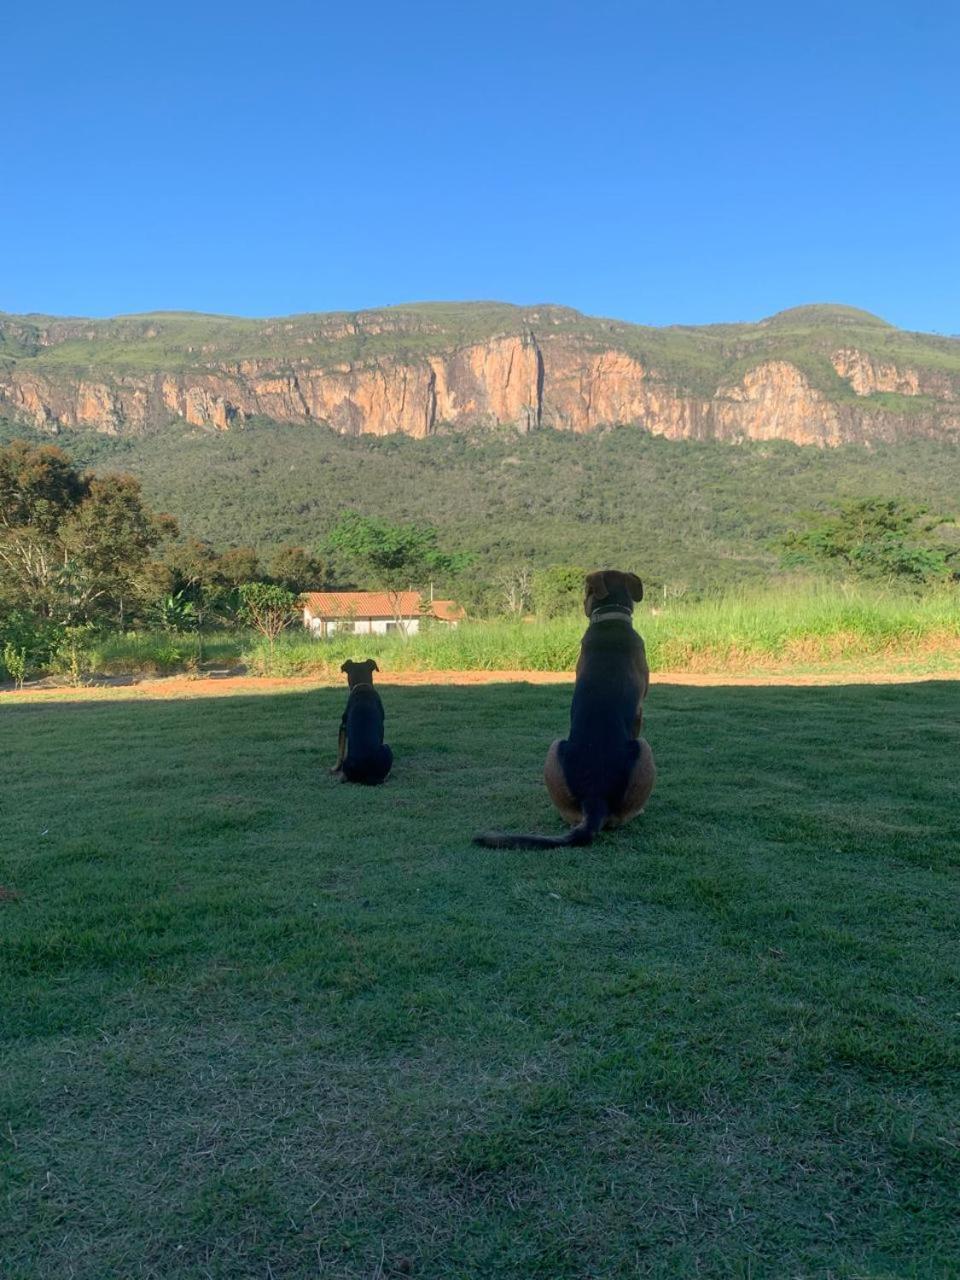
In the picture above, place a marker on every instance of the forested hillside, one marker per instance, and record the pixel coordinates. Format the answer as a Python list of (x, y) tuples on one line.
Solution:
[(686, 514)]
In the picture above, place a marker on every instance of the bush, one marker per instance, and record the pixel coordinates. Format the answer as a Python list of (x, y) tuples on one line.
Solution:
[(268, 608), (558, 591), (27, 644), (15, 663), (134, 653), (73, 653)]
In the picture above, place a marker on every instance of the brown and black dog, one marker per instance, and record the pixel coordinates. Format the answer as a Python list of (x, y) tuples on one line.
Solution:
[(362, 755), (602, 773)]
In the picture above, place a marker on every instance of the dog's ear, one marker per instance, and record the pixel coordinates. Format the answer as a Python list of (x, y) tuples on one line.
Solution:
[(371, 663), (346, 667), (594, 588), (634, 586)]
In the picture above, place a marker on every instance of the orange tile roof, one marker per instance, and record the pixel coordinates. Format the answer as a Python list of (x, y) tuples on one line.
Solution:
[(448, 611), (377, 604), (362, 604)]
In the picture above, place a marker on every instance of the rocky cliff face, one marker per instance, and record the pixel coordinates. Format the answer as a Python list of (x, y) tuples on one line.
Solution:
[(867, 376), (526, 379)]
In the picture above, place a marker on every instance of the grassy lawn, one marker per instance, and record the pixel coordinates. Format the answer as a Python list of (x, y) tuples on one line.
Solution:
[(257, 1023)]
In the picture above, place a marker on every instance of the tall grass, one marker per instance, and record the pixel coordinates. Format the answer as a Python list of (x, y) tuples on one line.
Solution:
[(800, 624), (154, 652), (796, 626)]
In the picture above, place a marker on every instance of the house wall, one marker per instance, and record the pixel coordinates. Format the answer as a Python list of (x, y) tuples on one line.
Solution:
[(356, 626)]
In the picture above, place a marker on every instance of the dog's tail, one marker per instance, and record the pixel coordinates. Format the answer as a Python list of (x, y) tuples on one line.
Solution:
[(594, 815)]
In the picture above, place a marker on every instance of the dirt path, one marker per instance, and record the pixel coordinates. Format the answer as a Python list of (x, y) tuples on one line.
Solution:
[(214, 687)]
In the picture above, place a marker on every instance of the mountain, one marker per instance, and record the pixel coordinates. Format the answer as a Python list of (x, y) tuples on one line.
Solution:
[(820, 375)]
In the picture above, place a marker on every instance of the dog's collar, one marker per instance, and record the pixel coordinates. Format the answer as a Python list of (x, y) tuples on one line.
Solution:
[(607, 613)]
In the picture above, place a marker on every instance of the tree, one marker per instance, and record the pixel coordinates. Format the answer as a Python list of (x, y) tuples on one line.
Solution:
[(558, 590), (297, 570), (197, 580), (238, 565), (394, 557), (515, 589), (107, 539), (874, 538), (268, 608), (39, 487), (73, 546), (174, 613), (39, 484)]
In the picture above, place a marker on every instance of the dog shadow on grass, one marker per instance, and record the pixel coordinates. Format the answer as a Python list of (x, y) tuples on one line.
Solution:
[(469, 755)]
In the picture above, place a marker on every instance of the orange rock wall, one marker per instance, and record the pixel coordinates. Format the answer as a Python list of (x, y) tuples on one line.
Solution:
[(517, 380)]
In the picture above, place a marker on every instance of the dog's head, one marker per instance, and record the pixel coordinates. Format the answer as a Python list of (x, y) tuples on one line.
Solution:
[(359, 672), (611, 588)]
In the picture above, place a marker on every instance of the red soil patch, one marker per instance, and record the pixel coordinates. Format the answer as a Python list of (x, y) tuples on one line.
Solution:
[(212, 687)]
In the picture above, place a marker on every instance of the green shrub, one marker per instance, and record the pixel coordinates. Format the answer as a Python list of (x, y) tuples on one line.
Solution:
[(73, 656), (27, 644), (558, 591), (15, 663), (134, 653)]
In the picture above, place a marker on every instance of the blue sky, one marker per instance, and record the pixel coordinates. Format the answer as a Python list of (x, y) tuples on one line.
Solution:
[(668, 163)]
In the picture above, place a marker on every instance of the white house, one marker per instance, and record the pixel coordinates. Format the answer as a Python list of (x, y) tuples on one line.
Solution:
[(365, 613)]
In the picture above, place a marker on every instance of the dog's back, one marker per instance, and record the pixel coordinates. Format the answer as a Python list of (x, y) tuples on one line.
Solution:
[(368, 759), (600, 749)]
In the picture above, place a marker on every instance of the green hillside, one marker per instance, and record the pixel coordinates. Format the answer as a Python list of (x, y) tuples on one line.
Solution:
[(685, 513)]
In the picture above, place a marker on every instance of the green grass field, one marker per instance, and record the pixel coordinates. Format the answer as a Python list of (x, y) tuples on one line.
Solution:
[(260, 1024)]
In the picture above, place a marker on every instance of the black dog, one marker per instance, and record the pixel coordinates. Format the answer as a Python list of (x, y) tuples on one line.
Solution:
[(602, 773), (362, 755)]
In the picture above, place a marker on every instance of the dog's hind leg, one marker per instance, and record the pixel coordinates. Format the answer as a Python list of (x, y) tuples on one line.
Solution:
[(341, 748), (384, 761), (560, 793), (636, 793)]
